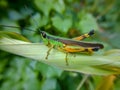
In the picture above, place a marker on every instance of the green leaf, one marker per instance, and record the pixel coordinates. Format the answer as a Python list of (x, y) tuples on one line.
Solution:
[(48, 71), (59, 6), (47, 5), (49, 84), (62, 24), (115, 37), (37, 21), (44, 5), (87, 22), (12, 35)]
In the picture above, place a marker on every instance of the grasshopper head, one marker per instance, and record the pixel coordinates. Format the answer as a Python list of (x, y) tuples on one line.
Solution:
[(43, 34)]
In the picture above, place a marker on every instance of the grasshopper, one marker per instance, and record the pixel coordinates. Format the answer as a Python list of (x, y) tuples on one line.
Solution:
[(70, 45)]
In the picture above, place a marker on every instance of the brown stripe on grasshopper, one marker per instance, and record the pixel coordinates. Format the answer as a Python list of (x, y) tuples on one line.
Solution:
[(79, 43)]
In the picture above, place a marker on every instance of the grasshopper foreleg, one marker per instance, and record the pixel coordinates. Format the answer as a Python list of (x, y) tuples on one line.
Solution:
[(48, 52)]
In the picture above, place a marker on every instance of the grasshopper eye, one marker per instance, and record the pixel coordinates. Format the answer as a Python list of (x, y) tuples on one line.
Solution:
[(43, 34)]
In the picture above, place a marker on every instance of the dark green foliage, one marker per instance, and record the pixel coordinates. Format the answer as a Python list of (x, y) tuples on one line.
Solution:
[(68, 18)]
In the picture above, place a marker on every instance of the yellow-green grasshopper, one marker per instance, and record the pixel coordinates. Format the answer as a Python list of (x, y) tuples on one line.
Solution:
[(67, 45)]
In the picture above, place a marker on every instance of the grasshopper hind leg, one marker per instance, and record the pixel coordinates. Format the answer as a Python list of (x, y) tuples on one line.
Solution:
[(84, 36)]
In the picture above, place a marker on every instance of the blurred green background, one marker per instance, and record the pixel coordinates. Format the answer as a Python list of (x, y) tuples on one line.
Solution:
[(65, 18)]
